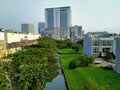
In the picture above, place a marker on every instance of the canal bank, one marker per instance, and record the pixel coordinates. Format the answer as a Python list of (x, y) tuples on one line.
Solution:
[(59, 82)]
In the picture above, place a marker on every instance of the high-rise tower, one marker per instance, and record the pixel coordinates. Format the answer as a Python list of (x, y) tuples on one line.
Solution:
[(57, 21), (58, 17)]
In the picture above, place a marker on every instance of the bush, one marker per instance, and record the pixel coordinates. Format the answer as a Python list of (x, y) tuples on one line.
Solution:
[(74, 63), (81, 61), (76, 47)]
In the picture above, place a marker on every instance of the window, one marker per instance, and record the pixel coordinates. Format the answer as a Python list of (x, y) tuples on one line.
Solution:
[(96, 43), (95, 50), (109, 43), (106, 43)]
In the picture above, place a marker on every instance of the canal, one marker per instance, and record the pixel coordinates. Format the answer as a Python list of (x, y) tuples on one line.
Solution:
[(58, 82)]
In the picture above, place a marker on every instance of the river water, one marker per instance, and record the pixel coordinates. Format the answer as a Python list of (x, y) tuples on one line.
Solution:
[(58, 83)]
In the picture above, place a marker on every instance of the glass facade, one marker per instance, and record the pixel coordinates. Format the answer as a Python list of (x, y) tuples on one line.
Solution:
[(63, 17), (41, 27), (50, 18)]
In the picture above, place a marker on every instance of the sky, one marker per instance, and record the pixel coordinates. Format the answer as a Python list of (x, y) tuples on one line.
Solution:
[(92, 15)]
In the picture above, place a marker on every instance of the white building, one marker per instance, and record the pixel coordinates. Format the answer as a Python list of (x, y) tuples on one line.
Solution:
[(94, 45), (17, 37), (10, 42)]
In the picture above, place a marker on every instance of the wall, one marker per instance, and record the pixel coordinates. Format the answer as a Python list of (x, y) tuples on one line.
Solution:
[(87, 45), (117, 63), (2, 48), (16, 37), (1, 36)]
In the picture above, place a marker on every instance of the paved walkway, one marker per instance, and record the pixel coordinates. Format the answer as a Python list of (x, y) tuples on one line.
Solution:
[(103, 62)]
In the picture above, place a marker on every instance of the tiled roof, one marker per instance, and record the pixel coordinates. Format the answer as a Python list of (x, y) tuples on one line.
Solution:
[(20, 44)]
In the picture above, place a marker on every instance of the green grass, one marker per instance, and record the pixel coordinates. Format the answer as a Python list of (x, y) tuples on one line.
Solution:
[(66, 50), (75, 77)]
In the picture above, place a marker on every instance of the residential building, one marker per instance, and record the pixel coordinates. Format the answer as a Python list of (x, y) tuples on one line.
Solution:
[(27, 28), (58, 22), (41, 28)]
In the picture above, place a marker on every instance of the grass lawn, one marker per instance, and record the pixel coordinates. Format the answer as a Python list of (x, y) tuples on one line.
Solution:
[(68, 50), (75, 77)]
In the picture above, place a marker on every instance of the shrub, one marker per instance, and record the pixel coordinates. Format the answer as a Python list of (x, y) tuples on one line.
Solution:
[(74, 63), (91, 84), (81, 61)]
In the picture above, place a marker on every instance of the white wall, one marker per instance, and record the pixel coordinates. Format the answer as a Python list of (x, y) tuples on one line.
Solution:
[(1, 36), (16, 37)]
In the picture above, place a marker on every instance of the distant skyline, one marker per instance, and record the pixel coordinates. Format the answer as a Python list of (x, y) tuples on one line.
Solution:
[(92, 15)]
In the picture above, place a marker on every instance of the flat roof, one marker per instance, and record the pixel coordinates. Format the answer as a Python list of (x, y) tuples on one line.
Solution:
[(57, 7)]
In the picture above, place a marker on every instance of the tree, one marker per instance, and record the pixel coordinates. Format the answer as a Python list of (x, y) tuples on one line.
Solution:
[(80, 42), (76, 47), (30, 66), (60, 44), (68, 42)]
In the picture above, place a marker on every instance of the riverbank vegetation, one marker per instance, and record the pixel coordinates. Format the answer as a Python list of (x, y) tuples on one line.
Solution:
[(31, 67)]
